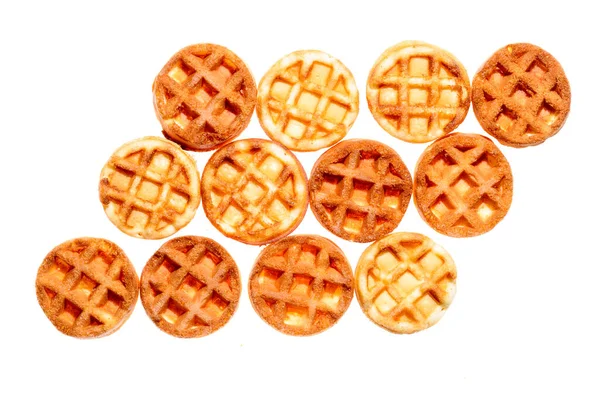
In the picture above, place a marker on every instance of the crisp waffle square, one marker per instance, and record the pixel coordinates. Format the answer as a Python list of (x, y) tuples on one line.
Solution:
[(87, 287), (359, 190), (418, 92), (204, 96), (521, 95), (150, 188), (254, 191), (307, 101), (301, 285), (463, 185), (190, 287), (405, 282)]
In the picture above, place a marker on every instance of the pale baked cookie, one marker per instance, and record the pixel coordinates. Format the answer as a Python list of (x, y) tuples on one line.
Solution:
[(521, 95), (190, 287), (405, 282), (150, 188), (254, 191), (359, 190), (463, 185), (87, 287), (418, 92), (301, 285), (204, 96), (307, 101)]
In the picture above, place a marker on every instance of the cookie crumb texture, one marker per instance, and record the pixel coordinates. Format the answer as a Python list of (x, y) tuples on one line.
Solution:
[(87, 287)]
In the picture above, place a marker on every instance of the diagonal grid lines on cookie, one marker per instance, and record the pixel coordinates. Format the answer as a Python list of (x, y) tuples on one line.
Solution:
[(405, 282), (521, 95), (462, 187), (254, 191), (253, 207), (204, 94), (86, 288), (190, 290)]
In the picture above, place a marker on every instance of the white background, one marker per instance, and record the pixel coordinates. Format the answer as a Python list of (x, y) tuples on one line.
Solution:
[(76, 84)]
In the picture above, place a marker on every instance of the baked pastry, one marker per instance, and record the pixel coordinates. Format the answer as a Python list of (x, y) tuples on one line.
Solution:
[(405, 282), (301, 285), (87, 287), (150, 188), (190, 287), (359, 190), (521, 95), (204, 96), (307, 101), (418, 92), (463, 185), (254, 191)]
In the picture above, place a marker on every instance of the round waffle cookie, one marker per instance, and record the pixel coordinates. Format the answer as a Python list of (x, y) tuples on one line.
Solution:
[(359, 190), (301, 285), (521, 95), (307, 101), (190, 287), (254, 191), (418, 92), (463, 185), (405, 282), (87, 287), (204, 96), (150, 188)]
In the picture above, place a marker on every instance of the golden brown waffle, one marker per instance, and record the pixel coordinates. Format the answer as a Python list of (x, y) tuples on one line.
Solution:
[(521, 95), (204, 96), (359, 190), (405, 282), (301, 285), (150, 188), (254, 191), (418, 92), (87, 287), (307, 101), (463, 185), (190, 287)]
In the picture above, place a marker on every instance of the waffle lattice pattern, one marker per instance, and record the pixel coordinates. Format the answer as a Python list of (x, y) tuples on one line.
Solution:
[(418, 92), (301, 285), (307, 101), (254, 191), (190, 287), (87, 287), (204, 96), (150, 188), (464, 185), (521, 95), (405, 282), (360, 189)]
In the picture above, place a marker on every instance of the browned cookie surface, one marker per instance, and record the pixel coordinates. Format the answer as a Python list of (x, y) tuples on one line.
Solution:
[(190, 287), (87, 287), (204, 96), (463, 185), (301, 285), (521, 95), (254, 191), (359, 190)]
